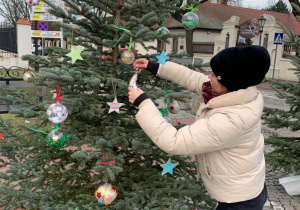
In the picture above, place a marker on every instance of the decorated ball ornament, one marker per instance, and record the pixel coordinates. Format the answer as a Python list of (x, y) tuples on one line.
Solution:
[(174, 107), (127, 57), (162, 30), (57, 112), (32, 2), (56, 137), (190, 20), (27, 76), (106, 193)]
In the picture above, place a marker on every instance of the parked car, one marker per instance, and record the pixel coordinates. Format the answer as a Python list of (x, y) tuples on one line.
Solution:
[(33, 48)]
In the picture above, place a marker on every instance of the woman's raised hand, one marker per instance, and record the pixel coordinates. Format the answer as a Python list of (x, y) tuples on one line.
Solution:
[(140, 64)]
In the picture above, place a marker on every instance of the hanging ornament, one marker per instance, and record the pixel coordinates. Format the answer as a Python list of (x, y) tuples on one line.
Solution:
[(57, 112), (190, 20), (106, 193), (174, 107), (168, 167), (75, 54), (162, 29), (55, 137), (162, 58), (115, 105), (32, 2), (165, 110), (127, 57), (132, 82), (28, 76)]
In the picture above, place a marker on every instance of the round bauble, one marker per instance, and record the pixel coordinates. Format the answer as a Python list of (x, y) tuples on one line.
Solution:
[(57, 112), (106, 193), (27, 76), (127, 57), (56, 138), (162, 30), (32, 2), (190, 20), (174, 107)]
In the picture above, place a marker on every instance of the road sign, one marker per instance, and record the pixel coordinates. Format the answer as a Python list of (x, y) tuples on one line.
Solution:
[(45, 17), (278, 38), (42, 26), (46, 34), (44, 8)]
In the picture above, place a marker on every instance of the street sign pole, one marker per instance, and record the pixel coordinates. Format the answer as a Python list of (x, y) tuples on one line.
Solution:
[(274, 62), (277, 40)]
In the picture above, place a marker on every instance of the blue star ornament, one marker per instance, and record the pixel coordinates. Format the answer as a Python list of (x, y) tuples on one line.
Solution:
[(162, 58), (168, 167)]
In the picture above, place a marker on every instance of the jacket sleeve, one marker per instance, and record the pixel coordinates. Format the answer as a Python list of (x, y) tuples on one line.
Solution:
[(183, 76), (203, 136)]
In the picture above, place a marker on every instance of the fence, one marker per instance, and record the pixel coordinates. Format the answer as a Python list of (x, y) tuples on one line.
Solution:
[(8, 40)]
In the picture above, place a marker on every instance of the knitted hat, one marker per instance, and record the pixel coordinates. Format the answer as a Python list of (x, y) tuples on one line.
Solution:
[(240, 67)]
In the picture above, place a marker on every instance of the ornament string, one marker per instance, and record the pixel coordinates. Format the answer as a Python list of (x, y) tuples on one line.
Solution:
[(130, 42), (162, 20), (58, 96), (105, 164), (164, 111), (191, 7), (40, 140)]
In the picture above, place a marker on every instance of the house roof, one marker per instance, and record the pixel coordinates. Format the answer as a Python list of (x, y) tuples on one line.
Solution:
[(212, 16)]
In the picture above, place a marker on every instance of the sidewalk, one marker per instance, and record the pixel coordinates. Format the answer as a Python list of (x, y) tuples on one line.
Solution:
[(278, 198)]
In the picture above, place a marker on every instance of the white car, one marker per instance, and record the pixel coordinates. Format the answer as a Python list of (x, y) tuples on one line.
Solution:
[(33, 48)]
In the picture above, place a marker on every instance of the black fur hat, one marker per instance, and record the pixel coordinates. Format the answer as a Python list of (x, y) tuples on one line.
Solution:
[(240, 67)]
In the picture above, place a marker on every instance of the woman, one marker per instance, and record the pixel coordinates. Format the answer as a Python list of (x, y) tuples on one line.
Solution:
[(226, 136)]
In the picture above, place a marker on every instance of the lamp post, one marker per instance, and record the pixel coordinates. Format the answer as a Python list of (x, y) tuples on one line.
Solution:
[(261, 23)]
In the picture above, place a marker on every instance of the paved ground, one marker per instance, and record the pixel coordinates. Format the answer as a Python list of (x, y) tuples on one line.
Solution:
[(278, 198)]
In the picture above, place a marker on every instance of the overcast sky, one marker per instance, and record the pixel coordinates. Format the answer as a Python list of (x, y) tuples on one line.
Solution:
[(256, 4)]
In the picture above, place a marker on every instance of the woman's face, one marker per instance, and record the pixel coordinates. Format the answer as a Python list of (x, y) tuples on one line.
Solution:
[(216, 85)]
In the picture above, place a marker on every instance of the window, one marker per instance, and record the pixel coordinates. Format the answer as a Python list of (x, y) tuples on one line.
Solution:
[(203, 47), (175, 44), (181, 47), (161, 45)]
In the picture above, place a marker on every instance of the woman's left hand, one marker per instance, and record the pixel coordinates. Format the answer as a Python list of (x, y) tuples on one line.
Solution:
[(134, 94)]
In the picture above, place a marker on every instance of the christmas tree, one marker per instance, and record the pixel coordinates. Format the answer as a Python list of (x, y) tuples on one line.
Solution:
[(286, 150), (61, 164)]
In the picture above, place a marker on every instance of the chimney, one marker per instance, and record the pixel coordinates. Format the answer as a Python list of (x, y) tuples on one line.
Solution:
[(224, 2)]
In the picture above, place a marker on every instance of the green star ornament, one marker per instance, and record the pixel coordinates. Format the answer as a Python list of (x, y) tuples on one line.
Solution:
[(75, 54)]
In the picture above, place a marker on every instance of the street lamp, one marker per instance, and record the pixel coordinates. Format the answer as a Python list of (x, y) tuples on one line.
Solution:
[(261, 23)]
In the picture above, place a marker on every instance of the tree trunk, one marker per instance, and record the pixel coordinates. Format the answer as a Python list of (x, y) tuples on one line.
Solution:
[(189, 42)]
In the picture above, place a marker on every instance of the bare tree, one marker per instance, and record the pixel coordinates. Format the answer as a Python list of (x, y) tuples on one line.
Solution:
[(12, 10)]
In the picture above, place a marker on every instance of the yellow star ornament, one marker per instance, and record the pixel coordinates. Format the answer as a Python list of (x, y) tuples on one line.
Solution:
[(75, 54)]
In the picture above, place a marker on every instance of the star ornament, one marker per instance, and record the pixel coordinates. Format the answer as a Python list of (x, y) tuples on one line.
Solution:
[(162, 58), (75, 54), (115, 106), (168, 167)]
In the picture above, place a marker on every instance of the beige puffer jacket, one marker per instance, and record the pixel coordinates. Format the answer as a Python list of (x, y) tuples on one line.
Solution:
[(226, 137)]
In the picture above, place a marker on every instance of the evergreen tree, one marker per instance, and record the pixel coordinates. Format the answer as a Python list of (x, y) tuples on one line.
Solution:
[(43, 174), (286, 153), (280, 6)]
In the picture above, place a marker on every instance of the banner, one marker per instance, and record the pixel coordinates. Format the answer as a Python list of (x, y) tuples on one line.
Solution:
[(45, 17), (46, 34)]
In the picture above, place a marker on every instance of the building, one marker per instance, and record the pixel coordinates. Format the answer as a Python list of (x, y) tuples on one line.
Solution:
[(220, 26)]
